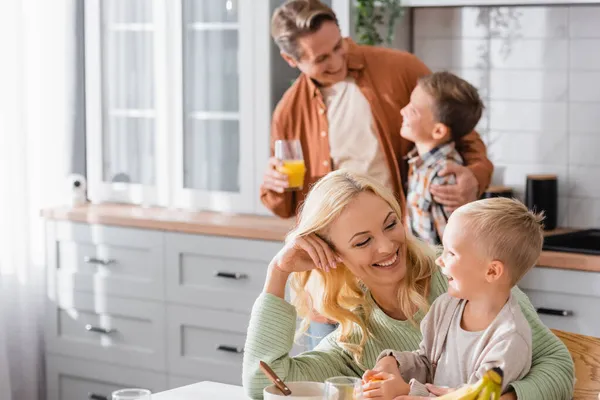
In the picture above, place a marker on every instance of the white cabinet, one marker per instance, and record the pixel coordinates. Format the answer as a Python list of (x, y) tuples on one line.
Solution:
[(565, 299), (107, 328), (106, 260), (206, 344), (170, 102), (137, 307), (216, 272), (179, 96)]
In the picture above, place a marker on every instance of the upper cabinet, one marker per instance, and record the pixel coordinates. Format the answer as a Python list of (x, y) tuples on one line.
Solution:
[(179, 96), (122, 113)]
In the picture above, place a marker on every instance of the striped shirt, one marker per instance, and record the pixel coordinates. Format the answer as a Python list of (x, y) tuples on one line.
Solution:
[(426, 217)]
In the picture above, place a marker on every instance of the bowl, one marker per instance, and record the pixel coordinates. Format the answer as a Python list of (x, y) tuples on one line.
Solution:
[(300, 391)]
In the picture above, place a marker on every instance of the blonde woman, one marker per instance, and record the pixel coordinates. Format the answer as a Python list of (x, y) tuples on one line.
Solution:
[(377, 282)]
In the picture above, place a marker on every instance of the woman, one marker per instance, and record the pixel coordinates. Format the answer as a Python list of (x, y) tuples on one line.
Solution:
[(377, 283)]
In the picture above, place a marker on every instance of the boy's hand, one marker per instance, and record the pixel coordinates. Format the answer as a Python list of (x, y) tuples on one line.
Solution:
[(387, 364), (383, 385)]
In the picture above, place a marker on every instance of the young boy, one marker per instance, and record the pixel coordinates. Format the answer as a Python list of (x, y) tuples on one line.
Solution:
[(488, 246), (442, 109)]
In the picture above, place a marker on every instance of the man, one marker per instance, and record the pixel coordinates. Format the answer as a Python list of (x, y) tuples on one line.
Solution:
[(345, 110)]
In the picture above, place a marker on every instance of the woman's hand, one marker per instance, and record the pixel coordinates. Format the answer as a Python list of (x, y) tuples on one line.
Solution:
[(305, 253), (302, 254)]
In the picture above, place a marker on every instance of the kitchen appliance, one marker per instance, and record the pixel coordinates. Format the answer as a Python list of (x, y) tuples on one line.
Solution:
[(541, 194), (585, 241)]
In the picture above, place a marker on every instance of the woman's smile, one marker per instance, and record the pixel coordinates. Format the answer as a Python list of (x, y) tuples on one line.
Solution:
[(388, 262)]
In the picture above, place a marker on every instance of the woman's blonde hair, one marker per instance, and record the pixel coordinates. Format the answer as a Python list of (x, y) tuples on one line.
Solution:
[(342, 294)]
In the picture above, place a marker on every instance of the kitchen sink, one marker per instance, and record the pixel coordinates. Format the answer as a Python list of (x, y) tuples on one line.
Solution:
[(586, 241)]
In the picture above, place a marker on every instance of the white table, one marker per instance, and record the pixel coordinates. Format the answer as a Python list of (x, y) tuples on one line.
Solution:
[(203, 391)]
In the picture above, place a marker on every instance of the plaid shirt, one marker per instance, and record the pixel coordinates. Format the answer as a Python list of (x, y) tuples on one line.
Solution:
[(427, 218)]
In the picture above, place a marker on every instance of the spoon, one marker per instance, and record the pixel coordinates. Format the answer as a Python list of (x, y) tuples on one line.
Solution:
[(264, 367)]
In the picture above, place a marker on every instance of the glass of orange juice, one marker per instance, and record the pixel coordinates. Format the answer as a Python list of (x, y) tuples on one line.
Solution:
[(290, 153)]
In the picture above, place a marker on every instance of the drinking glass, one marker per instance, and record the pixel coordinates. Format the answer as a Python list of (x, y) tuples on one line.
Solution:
[(290, 153), (343, 388), (132, 394)]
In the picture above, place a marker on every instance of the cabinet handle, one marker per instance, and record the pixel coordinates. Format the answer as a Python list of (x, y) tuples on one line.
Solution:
[(94, 396), (97, 329), (94, 260), (553, 311), (230, 349), (230, 275)]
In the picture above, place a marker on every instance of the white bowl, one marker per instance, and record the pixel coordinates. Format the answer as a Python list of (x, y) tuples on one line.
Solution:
[(300, 391)]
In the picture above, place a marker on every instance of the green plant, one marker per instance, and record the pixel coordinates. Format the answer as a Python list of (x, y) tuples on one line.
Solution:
[(373, 13)]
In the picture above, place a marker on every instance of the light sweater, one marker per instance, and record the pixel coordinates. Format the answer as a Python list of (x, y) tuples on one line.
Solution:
[(271, 335), (450, 356)]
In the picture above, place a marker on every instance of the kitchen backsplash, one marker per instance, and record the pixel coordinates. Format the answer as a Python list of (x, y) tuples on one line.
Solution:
[(538, 71)]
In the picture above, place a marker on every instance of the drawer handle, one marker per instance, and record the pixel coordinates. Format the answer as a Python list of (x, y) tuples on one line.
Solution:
[(230, 349), (231, 275), (94, 260), (94, 396), (97, 329), (553, 311)]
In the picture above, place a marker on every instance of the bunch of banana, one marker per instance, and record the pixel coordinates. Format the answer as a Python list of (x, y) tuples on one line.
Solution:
[(489, 387)]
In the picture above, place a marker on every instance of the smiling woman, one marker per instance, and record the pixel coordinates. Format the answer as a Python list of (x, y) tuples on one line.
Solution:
[(377, 283)]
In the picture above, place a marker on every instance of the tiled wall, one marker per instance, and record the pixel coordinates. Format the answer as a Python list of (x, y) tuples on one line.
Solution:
[(538, 70)]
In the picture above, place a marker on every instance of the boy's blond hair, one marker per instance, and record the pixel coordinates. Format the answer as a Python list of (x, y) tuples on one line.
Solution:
[(507, 231)]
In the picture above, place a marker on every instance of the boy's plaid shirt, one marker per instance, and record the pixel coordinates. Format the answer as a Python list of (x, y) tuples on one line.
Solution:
[(427, 218)]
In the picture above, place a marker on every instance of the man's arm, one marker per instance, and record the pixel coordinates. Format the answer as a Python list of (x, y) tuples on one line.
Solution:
[(474, 153), (282, 204)]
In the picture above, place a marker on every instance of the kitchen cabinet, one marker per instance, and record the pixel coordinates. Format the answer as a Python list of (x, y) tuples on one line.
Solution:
[(146, 307), (179, 96), (565, 299)]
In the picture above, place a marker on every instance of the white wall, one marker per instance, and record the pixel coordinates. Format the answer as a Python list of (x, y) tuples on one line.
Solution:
[(538, 70)]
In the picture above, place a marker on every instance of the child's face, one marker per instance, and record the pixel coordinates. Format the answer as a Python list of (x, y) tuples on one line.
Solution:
[(462, 261), (417, 117)]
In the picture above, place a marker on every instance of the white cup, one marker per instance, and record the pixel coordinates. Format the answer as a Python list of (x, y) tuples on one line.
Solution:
[(300, 391)]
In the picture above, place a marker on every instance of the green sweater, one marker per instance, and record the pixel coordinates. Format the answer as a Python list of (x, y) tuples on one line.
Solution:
[(271, 335)]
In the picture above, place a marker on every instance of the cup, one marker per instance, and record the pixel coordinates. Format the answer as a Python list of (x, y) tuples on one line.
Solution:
[(132, 394), (290, 153), (343, 388)]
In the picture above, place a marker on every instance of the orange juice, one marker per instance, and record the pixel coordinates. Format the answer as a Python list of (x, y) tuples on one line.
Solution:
[(295, 171)]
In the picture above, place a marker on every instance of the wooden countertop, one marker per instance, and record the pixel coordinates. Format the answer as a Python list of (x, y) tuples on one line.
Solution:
[(243, 226), (208, 223)]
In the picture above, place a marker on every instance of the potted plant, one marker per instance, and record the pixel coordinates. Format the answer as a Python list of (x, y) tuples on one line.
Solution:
[(371, 14)]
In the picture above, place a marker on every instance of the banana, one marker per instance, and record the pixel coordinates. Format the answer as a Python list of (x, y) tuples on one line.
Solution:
[(488, 387)]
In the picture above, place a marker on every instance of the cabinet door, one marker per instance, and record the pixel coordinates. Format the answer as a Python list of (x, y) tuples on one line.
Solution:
[(213, 160), (204, 271), (105, 260), (109, 329), (73, 379), (123, 105)]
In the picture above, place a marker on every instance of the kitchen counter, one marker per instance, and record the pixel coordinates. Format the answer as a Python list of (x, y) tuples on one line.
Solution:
[(172, 220), (244, 226)]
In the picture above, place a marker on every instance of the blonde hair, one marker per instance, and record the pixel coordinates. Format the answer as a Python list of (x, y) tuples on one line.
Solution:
[(507, 231), (296, 18), (344, 299)]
